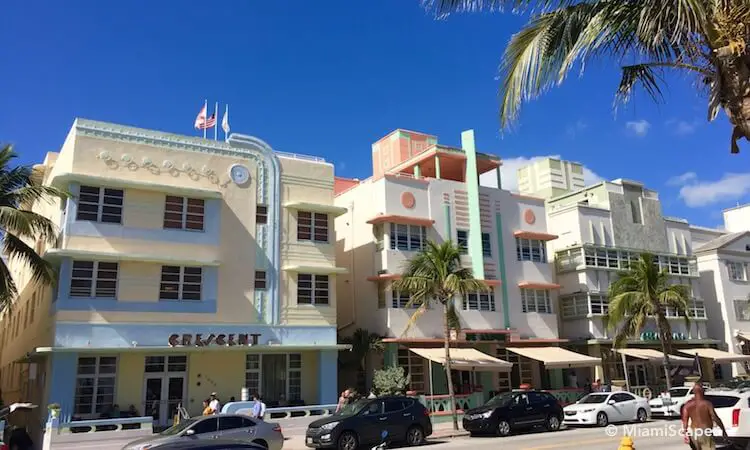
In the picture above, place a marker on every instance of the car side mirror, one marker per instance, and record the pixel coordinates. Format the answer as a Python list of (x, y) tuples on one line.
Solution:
[(190, 433), (611, 402)]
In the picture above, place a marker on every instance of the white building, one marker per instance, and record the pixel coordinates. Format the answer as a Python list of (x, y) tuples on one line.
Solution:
[(421, 190)]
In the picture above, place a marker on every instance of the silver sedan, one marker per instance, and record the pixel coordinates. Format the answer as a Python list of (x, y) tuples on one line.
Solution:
[(235, 427)]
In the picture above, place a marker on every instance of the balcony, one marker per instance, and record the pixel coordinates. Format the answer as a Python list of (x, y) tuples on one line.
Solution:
[(610, 258)]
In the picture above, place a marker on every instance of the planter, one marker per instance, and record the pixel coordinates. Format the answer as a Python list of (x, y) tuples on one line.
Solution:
[(619, 385), (691, 381)]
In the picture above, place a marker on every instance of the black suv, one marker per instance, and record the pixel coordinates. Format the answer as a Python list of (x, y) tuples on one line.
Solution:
[(364, 421), (515, 410)]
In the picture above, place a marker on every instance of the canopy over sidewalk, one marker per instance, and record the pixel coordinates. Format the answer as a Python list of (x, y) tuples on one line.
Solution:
[(654, 356), (718, 356), (556, 357), (465, 359)]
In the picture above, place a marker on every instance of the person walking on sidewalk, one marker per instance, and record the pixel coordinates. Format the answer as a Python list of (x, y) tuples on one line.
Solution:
[(700, 415)]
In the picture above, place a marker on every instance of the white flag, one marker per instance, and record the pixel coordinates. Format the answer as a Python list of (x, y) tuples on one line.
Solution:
[(225, 121)]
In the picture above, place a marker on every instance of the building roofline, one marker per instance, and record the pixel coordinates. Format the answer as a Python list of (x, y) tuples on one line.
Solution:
[(736, 207)]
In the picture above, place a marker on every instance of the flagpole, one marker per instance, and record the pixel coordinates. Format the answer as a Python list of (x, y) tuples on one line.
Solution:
[(205, 108), (216, 122), (226, 134)]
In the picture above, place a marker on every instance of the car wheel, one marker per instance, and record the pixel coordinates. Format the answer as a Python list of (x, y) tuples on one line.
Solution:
[(261, 443), (347, 441), (503, 428), (602, 420), (552, 423), (414, 435), (641, 415)]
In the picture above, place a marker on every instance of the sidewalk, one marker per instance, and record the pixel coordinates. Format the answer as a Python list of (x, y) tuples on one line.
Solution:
[(439, 431)]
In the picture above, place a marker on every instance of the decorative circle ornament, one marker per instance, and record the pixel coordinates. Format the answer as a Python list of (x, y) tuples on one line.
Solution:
[(239, 174), (529, 217), (408, 200)]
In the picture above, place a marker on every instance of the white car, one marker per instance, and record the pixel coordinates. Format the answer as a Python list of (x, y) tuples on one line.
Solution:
[(603, 408), (670, 403), (733, 408)]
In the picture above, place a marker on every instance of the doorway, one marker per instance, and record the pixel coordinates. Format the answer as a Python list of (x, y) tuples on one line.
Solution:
[(164, 387)]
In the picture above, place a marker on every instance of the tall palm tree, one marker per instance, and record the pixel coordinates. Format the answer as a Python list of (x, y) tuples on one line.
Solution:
[(435, 275), (19, 225), (643, 292), (363, 343), (706, 39)]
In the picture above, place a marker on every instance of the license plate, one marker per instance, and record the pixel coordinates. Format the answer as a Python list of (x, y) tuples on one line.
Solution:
[(308, 440), (570, 413)]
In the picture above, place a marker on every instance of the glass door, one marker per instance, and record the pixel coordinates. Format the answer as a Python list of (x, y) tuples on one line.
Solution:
[(274, 377), (152, 396), (175, 393)]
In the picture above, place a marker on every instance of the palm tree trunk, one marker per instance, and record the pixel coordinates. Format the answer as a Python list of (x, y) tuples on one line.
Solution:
[(448, 377), (665, 350), (735, 74)]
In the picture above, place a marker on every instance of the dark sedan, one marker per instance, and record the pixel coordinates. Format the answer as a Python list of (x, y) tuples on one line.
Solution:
[(513, 411), (363, 422)]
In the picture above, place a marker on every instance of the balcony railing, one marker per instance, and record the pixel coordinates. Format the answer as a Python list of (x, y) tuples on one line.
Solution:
[(600, 257)]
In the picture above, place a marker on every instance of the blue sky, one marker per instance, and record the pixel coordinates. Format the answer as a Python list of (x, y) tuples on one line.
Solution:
[(329, 78)]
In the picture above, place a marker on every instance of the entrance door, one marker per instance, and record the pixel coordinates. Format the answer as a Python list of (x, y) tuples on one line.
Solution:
[(164, 387)]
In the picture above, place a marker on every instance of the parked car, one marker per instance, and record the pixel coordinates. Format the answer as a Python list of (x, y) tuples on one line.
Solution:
[(363, 422), (212, 444), (671, 402), (603, 408), (512, 411), (235, 427), (733, 408)]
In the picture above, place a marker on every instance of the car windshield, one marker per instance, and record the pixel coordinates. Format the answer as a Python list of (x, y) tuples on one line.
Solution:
[(180, 427), (594, 398), (352, 408), (678, 392), (500, 400)]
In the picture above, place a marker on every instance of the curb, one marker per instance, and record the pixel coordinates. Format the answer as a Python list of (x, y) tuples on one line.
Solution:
[(448, 434)]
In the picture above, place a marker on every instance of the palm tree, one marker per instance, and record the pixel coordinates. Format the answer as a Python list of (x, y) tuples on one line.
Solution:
[(706, 39), (363, 343), (435, 275), (20, 225), (643, 292)]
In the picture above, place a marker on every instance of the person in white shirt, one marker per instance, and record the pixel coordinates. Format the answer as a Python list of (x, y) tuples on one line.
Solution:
[(214, 403), (573, 380), (259, 408)]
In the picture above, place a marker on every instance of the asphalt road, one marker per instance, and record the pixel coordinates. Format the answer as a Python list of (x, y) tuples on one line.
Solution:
[(655, 435)]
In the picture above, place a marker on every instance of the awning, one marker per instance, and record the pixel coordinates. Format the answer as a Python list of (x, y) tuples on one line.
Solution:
[(556, 357), (745, 336), (465, 359), (718, 356), (654, 356)]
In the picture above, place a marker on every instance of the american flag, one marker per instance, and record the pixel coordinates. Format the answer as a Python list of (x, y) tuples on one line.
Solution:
[(201, 123)]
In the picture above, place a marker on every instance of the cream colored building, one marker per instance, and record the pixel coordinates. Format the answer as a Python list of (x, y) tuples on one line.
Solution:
[(550, 177), (186, 266)]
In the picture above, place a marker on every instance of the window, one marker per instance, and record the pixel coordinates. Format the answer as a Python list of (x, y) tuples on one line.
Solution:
[(205, 426), (742, 310), (234, 422), (95, 279), (98, 204), (698, 309), (535, 300), (260, 279), (401, 300), (261, 214), (736, 271), (599, 304), (161, 364), (622, 397), (95, 384), (312, 226), (268, 371), (635, 209), (486, 245), (394, 405), (180, 283), (576, 305), (531, 250), (312, 289), (184, 213), (462, 240), (407, 237), (413, 366), (482, 301)]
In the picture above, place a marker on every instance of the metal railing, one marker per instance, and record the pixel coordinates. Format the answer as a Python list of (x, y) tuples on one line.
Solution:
[(299, 156)]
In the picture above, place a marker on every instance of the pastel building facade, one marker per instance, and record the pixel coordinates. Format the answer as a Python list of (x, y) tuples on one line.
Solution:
[(422, 190), (550, 177), (601, 229), (186, 266)]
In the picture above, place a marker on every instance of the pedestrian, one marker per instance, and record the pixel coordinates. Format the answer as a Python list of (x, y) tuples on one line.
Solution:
[(259, 408), (214, 403), (343, 399), (597, 386), (699, 413), (573, 380), (207, 411)]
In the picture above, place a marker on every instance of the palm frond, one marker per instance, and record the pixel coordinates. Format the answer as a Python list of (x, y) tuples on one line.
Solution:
[(17, 250), (28, 224), (444, 8)]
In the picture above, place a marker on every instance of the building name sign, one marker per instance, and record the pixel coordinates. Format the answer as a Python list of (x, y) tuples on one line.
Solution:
[(222, 340)]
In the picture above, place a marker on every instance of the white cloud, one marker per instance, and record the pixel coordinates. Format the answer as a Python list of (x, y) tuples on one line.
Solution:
[(730, 187), (683, 179), (509, 173), (682, 127), (573, 129), (638, 127)]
